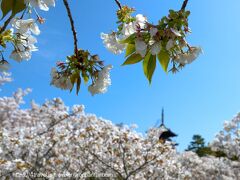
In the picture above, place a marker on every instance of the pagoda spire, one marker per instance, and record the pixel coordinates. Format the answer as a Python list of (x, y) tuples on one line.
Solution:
[(162, 124)]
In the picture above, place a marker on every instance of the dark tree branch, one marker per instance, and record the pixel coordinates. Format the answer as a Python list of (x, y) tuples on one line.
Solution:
[(119, 4), (142, 166), (72, 26), (107, 165), (54, 123), (6, 24), (124, 159), (184, 5)]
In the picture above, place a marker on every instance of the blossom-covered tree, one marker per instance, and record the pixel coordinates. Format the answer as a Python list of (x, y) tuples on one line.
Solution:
[(55, 141), (228, 139), (141, 40)]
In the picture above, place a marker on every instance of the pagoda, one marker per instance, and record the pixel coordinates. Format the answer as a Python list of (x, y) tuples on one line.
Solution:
[(165, 133)]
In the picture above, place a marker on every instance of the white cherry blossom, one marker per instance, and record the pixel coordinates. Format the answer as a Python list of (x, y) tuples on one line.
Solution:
[(128, 29), (4, 65), (170, 44), (228, 139), (24, 46), (188, 57), (131, 28), (112, 43), (141, 20), (141, 47), (60, 81), (5, 78), (23, 26), (153, 31), (102, 82), (156, 48), (41, 4)]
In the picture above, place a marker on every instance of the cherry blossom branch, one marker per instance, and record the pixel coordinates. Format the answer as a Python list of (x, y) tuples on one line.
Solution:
[(72, 25), (4, 175), (104, 163), (146, 162), (119, 4), (51, 126), (142, 166), (124, 159), (184, 5), (38, 164)]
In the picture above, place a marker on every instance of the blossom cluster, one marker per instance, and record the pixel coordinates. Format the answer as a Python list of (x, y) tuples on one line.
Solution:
[(82, 66), (142, 41), (42, 4), (5, 78), (145, 42), (228, 139), (102, 81), (21, 35), (53, 138), (24, 41)]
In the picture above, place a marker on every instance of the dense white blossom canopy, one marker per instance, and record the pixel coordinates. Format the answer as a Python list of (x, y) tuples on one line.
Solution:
[(54, 139)]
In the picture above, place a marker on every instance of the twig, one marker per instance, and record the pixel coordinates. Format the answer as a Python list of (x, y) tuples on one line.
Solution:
[(6, 24), (119, 4), (24, 13), (184, 5), (141, 167), (145, 163), (104, 163), (72, 26)]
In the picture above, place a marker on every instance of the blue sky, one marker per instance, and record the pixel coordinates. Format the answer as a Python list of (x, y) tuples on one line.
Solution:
[(197, 100)]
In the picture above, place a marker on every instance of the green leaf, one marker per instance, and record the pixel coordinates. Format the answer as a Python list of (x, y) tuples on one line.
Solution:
[(149, 66), (74, 79), (85, 78), (129, 40), (130, 49), (78, 84), (164, 59), (133, 59), (15, 6), (187, 13), (19, 5), (6, 7), (145, 63)]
